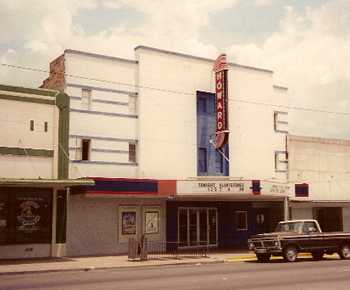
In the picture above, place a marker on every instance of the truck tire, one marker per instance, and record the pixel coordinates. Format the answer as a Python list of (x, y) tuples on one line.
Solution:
[(263, 257), (317, 255), (344, 251), (290, 254)]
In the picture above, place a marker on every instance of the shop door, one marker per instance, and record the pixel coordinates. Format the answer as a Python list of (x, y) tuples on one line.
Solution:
[(197, 227), (262, 220)]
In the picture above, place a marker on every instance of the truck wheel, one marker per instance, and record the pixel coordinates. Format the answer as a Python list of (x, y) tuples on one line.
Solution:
[(344, 251), (263, 257), (317, 255), (290, 254)]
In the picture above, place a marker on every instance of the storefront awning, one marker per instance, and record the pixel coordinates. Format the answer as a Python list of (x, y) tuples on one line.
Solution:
[(127, 187), (57, 183)]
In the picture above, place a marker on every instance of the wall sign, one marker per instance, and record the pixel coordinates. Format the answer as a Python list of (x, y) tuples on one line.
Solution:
[(213, 187), (269, 188), (220, 69), (231, 187)]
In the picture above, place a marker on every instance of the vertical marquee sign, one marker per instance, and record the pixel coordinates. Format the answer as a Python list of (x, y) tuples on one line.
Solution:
[(220, 69)]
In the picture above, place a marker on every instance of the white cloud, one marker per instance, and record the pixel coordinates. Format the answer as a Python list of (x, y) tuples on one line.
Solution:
[(263, 2), (309, 53)]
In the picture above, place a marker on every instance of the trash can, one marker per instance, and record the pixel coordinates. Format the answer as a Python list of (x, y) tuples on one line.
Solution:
[(132, 249), (143, 248)]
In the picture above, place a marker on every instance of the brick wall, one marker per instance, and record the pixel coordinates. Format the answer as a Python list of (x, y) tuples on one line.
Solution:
[(56, 79)]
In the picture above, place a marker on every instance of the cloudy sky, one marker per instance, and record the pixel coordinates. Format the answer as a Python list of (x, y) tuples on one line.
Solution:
[(306, 43)]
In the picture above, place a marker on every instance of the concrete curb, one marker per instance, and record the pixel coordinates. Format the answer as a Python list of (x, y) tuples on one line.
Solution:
[(86, 269), (234, 258)]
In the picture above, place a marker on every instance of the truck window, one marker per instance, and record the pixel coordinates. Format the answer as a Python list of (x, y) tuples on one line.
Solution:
[(310, 227)]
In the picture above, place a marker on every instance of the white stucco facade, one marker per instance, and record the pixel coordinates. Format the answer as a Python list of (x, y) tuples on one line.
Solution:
[(151, 101), (16, 118), (323, 164)]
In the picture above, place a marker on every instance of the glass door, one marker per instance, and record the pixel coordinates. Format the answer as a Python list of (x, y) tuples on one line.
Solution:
[(212, 227), (193, 227), (203, 227), (197, 227)]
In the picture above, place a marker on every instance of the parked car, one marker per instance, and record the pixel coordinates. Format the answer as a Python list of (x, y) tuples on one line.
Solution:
[(295, 236)]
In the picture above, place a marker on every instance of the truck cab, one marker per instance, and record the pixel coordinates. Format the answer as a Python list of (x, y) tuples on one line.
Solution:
[(299, 226)]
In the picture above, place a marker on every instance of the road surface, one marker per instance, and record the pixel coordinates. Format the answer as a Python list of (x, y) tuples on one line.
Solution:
[(304, 274)]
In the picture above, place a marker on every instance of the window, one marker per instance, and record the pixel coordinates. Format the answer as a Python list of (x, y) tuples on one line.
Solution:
[(241, 221), (85, 149), (309, 227), (31, 125), (281, 161), (219, 162), (86, 98), (202, 105), (132, 152), (280, 120), (25, 216), (202, 160), (45, 126), (302, 190)]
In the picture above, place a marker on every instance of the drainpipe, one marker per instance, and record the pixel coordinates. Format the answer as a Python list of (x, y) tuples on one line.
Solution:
[(285, 208), (54, 215)]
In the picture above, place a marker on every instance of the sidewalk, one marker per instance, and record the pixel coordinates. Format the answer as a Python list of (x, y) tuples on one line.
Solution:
[(28, 266)]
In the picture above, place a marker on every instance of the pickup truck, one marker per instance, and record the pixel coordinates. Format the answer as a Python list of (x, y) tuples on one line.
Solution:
[(295, 236)]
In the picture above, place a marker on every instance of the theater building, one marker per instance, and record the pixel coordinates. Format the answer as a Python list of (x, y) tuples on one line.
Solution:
[(33, 172), (145, 130)]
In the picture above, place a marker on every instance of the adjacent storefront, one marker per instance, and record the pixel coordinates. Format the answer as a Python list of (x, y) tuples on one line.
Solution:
[(33, 217)]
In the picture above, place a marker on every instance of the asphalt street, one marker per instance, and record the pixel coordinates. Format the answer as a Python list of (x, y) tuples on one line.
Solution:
[(304, 274)]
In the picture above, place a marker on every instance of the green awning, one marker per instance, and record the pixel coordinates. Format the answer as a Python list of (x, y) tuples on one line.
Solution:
[(57, 183)]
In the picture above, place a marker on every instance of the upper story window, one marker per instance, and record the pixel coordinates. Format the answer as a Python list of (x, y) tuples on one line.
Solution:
[(202, 160), (31, 125), (86, 98), (46, 126), (202, 105), (85, 149), (280, 120), (281, 161), (219, 162), (132, 152)]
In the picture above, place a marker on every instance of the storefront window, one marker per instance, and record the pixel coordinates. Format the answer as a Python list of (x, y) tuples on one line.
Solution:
[(3, 218), (25, 216)]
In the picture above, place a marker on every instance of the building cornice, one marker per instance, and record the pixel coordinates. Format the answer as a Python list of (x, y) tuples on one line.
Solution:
[(199, 58), (96, 55)]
